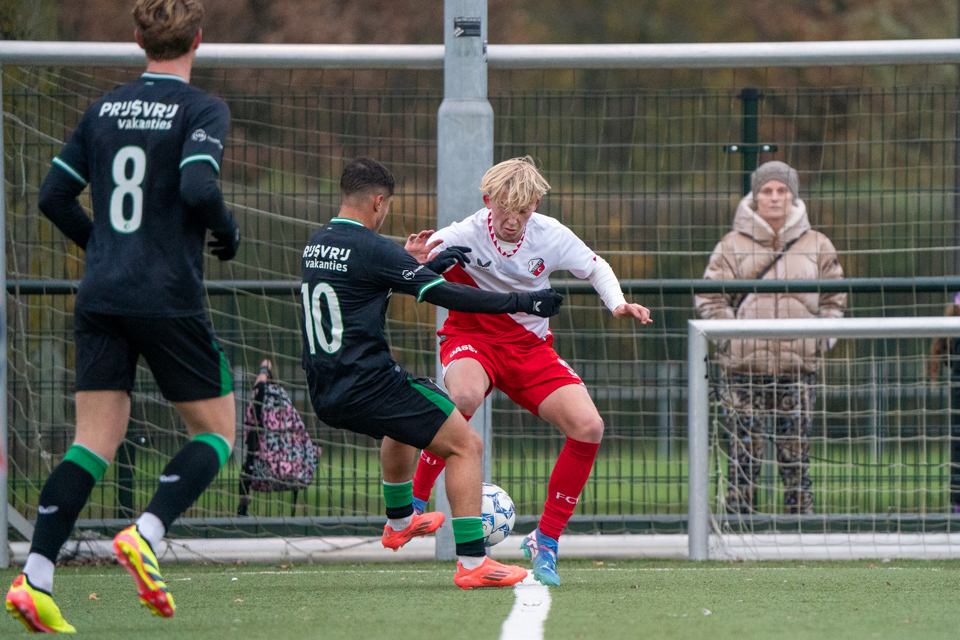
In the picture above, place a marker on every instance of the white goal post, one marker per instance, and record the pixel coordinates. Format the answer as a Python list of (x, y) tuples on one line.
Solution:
[(701, 332)]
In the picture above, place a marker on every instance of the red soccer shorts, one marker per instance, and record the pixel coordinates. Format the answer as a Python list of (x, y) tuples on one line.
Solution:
[(527, 371)]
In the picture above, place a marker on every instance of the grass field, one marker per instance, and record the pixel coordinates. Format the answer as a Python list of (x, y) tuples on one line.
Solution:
[(610, 600)]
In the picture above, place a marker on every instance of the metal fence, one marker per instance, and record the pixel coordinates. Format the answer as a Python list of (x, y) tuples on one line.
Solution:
[(648, 178)]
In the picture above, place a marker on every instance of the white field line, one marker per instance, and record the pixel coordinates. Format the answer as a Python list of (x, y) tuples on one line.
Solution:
[(530, 609)]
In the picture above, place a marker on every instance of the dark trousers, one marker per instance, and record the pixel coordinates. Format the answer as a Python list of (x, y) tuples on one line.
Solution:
[(749, 403)]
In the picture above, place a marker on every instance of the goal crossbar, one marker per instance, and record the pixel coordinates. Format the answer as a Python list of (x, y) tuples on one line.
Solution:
[(528, 56)]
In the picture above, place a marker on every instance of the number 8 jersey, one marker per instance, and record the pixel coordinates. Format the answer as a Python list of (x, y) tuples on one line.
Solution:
[(145, 255)]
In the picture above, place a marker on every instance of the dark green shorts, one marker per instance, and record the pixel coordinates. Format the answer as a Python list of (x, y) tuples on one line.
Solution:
[(412, 414), (183, 354)]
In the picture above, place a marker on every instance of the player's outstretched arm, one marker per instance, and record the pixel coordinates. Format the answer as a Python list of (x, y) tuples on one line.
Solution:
[(458, 297)]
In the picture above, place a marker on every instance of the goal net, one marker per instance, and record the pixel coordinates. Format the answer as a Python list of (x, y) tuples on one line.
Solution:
[(641, 170), (858, 459)]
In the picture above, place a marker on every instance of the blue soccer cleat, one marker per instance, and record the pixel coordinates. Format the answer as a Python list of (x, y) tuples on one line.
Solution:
[(542, 551), (419, 506)]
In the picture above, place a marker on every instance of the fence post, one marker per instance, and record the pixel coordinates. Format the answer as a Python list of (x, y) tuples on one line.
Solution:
[(464, 153), (4, 524), (698, 525), (751, 134)]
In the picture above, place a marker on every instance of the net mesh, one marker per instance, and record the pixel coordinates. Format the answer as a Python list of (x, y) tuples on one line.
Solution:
[(645, 176)]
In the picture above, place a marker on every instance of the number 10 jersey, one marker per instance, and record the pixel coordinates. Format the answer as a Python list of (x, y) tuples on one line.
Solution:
[(145, 255)]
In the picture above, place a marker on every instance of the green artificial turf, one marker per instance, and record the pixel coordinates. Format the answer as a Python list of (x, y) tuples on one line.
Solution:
[(615, 599)]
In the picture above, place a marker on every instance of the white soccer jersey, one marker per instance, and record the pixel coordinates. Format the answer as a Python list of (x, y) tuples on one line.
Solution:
[(546, 246)]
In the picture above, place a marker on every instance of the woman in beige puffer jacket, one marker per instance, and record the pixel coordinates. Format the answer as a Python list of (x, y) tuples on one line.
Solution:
[(741, 255), (771, 381)]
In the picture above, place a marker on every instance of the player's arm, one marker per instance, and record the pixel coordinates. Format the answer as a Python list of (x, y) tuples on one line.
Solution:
[(199, 170), (582, 262), (58, 202), (67, 178), (604, 280), (397, 269), (457, 297)]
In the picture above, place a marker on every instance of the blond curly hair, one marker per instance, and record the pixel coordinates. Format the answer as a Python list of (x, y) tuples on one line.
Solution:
[(514, 184), (167, 27)]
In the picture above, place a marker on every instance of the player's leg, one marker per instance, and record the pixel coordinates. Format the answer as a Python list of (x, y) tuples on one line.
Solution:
[(192, 373), (571, 410), (105, 367), (398, 461), (467, 383), (461, 447), (102, 418)]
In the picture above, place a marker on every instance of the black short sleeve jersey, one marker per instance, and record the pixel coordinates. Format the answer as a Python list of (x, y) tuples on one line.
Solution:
[(145, 255), (349, 273)]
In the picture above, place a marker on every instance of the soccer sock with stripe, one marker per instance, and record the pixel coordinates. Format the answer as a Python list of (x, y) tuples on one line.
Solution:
[(468, 536), (64, 494), (398, 498), (567, 481), (185, 477)]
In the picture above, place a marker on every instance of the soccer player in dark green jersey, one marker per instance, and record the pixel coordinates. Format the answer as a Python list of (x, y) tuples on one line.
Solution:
[(349, 273), (150, 151)]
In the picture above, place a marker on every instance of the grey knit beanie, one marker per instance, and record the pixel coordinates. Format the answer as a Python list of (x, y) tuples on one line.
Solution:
[(775, 170)]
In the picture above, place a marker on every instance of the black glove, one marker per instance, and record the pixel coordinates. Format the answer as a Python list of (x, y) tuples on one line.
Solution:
[(447, 258), (225, 242), (543, 303)]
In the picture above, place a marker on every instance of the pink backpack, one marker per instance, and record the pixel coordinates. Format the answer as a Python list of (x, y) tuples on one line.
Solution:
[(286, 458)]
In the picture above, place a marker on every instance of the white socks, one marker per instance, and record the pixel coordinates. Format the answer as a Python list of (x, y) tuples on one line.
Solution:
[(399, 524), (39, 570), (151, 528), (471, 562)]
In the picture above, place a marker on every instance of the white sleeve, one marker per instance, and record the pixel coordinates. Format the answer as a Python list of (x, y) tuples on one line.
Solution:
[(575, 256), (449, 237), (605, 282)]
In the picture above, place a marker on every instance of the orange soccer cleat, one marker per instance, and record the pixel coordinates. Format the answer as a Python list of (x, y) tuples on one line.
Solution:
[(422, 525), (489, 574)]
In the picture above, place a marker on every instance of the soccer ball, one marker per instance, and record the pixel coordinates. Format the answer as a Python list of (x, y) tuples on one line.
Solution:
[(498, 514)]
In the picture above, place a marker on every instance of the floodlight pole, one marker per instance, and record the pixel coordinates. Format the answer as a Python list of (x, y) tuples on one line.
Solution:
[(464, 153)]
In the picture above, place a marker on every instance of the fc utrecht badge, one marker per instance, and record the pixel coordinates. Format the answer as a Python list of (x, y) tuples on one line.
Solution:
[(535, 266)]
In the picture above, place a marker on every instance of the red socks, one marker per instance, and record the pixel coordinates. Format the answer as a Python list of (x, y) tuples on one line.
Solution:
[(567, 481), (569, 477), (428, 470)]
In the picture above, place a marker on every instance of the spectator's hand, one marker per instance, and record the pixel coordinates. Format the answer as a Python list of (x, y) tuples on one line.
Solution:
[(225, 242), (418, 247), (631, 310), (447, 258), (543, 303), (266, 371)]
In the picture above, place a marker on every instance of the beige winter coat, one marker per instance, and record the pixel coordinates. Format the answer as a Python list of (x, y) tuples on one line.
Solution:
[(741, 255)]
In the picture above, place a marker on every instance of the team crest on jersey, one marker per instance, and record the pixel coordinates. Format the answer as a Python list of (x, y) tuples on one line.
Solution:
[(535, 266)]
